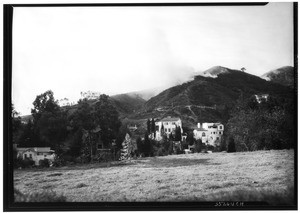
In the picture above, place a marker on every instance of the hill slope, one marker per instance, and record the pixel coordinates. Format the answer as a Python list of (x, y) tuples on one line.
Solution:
[(209, 99), (283, 76)]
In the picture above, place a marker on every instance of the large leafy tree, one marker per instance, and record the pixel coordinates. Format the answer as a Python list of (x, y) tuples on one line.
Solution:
[(49, 121), (107, 117)]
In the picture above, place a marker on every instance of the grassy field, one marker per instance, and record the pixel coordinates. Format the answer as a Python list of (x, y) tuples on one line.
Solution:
[(247, 176)]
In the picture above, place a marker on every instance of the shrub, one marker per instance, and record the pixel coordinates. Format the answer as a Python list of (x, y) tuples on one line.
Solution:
[(160, 152), (58, 161), (45, 196), (26, 163), (44, 163), (198, 146), (231, 145)]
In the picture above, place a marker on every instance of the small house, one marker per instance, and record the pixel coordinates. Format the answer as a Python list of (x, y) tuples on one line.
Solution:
[(35, 153)]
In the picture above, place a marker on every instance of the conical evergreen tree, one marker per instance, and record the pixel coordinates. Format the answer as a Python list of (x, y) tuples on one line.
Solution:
[(127, 148)]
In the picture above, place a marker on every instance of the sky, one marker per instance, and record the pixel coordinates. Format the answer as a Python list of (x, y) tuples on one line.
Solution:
[(115, 50)]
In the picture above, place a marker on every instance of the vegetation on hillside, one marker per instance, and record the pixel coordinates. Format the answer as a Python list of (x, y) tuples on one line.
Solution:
[(283, 75), (266, 125), (194, 101)]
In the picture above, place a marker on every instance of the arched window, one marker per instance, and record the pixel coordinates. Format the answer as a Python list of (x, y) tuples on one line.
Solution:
[(203, 134)]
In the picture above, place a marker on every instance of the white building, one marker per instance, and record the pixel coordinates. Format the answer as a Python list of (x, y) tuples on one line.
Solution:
[(168, 124), (263, 97), (35, 153), (209, 133)]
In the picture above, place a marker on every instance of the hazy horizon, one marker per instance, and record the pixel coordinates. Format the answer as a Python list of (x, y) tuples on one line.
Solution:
[(116, 50)]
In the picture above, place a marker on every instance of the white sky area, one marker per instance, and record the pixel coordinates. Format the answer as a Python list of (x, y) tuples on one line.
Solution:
[(115, 50)]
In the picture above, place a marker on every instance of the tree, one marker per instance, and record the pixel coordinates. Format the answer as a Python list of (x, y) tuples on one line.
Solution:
[(140, 145), (177, 133), (162, 130), (107, 117), (16, 124), (28, 137), (190, 138), (153, 126), (147, 145), (50, 123), (44, 103), (148, 126), (231, 145)]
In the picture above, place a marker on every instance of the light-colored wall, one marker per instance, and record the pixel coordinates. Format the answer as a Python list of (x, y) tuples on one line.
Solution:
[(36, 158), (213, 135)]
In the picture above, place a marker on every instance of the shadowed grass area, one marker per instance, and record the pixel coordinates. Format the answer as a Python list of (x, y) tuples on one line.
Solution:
[(272, 197), (249, 176)]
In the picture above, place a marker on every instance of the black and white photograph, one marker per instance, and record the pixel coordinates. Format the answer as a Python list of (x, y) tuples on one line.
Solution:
[(190, 105)]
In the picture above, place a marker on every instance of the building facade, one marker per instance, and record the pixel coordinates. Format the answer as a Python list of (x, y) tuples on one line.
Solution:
[(209, 133), (167, 126)]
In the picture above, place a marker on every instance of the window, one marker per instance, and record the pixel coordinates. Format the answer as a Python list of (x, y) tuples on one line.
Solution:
[(166, 123), (30, 155), (217, 138), (203, 134), (220, 127), (25, 155), (169, 130), (166, 129)]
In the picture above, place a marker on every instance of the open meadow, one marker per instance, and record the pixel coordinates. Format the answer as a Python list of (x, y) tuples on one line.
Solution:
[(243, 176)]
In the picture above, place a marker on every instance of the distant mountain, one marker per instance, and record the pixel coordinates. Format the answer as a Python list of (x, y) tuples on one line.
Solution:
[(147, 93), (209, 97), (283, 76), (127, 103)]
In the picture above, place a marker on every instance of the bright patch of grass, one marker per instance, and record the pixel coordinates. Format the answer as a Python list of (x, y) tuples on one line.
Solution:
[(45, 196)]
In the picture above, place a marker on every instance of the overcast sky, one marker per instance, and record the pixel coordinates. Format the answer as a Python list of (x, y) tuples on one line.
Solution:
[(121, 49)]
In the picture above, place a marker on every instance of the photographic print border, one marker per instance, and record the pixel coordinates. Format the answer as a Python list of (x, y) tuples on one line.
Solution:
[(8, 196)]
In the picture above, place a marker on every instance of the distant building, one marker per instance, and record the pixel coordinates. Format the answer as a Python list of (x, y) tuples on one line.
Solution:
[(209, 133), (263, 97), (167, 125), (35, 153)]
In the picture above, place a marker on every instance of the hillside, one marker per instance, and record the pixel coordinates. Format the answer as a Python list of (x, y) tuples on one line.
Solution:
[(283, 75), (209, 99), (124, 103)]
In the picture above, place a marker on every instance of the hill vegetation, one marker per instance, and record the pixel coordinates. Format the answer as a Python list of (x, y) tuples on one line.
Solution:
[(209, 99), (283, 75)]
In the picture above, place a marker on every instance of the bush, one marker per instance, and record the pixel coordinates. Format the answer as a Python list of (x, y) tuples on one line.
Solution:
[(58, 161), (161, 152), (46, 196), (231, 145), (44, 163), (26, 163)]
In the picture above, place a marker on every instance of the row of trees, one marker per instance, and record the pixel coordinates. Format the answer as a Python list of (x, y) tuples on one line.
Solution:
[(70, 131)]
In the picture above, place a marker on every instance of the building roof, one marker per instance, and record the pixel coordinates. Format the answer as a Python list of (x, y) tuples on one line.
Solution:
[(35, 149), (169, 119)]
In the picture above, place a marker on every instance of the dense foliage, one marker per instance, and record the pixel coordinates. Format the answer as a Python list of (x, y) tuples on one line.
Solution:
[(265, 125)]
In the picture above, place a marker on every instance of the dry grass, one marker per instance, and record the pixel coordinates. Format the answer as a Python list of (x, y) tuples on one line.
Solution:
[(194, 177)]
